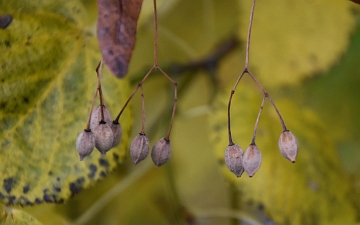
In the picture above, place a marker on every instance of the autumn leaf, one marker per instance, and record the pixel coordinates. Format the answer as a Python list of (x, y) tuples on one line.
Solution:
[(47, 83), (116, 31)]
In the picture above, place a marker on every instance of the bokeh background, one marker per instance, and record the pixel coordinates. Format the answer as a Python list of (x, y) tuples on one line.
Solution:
[(304, 53)]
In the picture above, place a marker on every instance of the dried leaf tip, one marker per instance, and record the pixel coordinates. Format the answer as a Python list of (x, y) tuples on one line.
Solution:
[(85, 143), (161, 152), (234, 159), (116, 32), (139, 148), (288, 145), (252, 160), (5, 21)]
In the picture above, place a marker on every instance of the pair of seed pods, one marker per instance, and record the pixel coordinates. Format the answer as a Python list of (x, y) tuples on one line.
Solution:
[(140, 146), (237, 161), (103, 134)]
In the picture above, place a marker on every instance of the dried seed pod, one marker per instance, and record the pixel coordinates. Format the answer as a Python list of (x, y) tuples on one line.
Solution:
[(104, 137), (96, 117), (234, 159), (161, 152), (288, 145), (139, 148), (252, 160), (117, 132), (85, 143)]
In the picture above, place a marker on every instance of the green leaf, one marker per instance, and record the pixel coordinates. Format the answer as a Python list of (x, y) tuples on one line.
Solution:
[(47, 83), (330, 91), (314, 190), (293, 39)]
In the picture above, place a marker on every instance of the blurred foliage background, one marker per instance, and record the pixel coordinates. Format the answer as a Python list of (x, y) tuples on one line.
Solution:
[(306, 56)]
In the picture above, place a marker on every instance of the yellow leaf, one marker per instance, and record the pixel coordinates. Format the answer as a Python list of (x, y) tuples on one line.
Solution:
[(47, 82), (293, 39), (11, 216), (314, 190)]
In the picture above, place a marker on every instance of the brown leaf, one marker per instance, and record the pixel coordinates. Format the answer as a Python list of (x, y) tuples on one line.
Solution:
[(5, 21), (116, 32)]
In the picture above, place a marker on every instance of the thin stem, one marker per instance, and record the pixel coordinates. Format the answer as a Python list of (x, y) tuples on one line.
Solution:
[(229, 106), (155, 36), (246, 70), (132, 94), (243, 72), (167, 76), (142, 110), (257, 120), (155, 66), (249, 34), (175, 102), (91, 109), (98, 72), (266, 95), (173, 113), (239, 78), (257, 83), (278, 112), (229, 127)]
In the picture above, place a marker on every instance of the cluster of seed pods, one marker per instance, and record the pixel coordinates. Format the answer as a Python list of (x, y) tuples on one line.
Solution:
[(101, 131), (237, 161), (104, 134)]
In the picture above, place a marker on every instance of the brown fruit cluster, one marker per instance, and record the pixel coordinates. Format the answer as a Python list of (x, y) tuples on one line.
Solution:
[(103, 134), (237, 161), (250, 161), (101, 131)]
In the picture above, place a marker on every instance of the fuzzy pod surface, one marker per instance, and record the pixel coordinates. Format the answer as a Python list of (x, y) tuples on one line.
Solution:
[(85, 143), (161, 152), (139, 148), (104, 137), (288, 145), (234, 159), (252, 160)]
